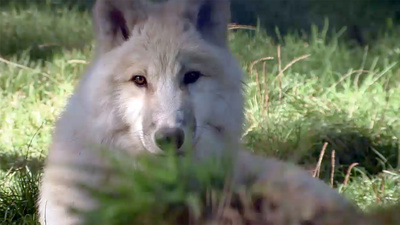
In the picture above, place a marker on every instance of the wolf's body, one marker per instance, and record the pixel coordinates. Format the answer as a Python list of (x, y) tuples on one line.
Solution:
[(162, 72)]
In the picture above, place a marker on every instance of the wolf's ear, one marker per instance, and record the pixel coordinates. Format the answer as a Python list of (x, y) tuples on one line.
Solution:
[(115, 19), (211, 18)]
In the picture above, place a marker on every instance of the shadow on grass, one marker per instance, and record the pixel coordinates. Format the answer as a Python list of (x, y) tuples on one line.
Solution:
[(13, 162), (81, 5), (45, 27), (354, 147), (350, 145), (18, 202), (37, 31)]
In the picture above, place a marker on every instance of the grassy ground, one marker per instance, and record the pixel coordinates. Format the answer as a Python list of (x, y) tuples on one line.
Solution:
[(315, 89)]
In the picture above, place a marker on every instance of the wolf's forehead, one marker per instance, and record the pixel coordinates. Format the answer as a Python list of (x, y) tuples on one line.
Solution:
[(164, 44), (169, 29)]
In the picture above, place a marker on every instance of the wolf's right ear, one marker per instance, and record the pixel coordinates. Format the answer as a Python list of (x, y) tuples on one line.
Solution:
[(115, 19), (210, 17)]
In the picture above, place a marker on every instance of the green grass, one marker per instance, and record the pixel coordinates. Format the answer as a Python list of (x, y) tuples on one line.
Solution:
[(346, 96), (343, 94)]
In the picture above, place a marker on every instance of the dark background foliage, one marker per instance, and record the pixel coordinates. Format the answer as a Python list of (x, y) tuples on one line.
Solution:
[(363, 18)]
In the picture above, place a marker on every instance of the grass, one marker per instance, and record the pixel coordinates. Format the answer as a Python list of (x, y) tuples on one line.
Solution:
[(346, 96), (337, 93)]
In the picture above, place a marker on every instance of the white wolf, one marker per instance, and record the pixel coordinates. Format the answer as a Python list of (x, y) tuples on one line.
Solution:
[(162, 72)]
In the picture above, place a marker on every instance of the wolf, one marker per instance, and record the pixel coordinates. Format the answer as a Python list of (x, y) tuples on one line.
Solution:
[(162, 74)]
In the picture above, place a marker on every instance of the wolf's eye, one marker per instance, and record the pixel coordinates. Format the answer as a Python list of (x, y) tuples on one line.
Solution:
[(191, 77), (140, 81)]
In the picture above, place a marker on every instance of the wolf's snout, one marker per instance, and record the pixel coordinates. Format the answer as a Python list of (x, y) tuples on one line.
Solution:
[(167, 136)]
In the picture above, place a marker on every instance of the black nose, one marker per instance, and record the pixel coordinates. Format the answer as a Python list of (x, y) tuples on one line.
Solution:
[(169, 137)]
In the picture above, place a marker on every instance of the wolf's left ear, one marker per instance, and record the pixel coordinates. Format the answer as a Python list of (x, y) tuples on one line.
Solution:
[(115, 19), (211, 18)]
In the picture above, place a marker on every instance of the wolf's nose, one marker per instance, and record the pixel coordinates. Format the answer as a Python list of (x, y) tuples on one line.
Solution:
[(166, 137)]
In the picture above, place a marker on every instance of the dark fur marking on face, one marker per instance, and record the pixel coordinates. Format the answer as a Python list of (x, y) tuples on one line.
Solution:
[(217, 128), (119, 23)]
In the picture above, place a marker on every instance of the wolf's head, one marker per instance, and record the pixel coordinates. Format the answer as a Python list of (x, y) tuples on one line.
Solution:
[(164, 74)]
